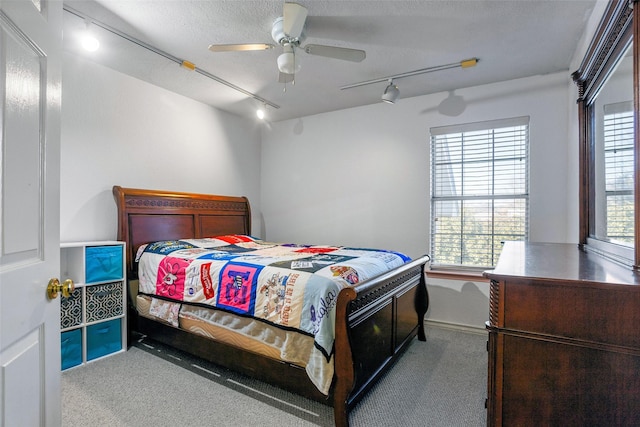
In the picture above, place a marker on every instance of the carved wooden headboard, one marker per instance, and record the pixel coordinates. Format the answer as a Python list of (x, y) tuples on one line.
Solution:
[(149, 215)]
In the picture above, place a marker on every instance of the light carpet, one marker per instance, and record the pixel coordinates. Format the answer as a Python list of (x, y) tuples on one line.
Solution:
[(440, 382)]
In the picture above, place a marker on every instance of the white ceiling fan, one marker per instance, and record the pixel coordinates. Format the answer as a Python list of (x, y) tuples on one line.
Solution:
[(289, 32)]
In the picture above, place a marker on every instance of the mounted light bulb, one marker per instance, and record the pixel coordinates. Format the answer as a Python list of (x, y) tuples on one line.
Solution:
[(390, 93), (90, 43), (287, 61), (87, 40)]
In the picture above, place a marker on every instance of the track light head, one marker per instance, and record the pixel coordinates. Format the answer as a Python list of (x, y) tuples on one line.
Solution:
[(391, 93), (87, 40)]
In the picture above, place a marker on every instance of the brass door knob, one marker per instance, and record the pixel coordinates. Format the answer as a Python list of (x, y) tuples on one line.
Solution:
[(54, 287)]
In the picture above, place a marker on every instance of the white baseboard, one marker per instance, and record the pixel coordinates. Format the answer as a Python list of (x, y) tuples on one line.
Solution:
[(455, 326)]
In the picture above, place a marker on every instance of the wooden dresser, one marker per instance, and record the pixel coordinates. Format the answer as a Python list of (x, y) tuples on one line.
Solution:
[(564, 339)]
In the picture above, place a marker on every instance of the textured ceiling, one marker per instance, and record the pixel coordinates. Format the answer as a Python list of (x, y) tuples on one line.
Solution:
[(511, 39)]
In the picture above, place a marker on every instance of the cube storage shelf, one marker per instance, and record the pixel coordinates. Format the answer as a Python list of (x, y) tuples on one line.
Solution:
[(93, 319)]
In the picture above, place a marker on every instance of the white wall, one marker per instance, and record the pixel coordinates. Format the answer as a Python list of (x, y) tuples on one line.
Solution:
[(361, 176), (118, 130), (458, 302)]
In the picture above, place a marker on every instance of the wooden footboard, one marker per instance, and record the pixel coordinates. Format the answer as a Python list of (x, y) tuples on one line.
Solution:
[(375, 320)]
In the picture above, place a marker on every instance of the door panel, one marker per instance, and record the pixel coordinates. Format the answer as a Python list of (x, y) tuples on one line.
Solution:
[(30, 51), (22, 146)]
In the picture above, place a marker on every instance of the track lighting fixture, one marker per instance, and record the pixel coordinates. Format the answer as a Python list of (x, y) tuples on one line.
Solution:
[(88, 41), (261, 112), (183, 63), (391, 93)]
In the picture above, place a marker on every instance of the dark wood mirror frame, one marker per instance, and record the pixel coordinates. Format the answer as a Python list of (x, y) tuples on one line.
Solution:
[(620, 25)]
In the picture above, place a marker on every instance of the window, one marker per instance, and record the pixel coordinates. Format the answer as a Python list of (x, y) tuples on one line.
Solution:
[(479, 190), (618, 172)]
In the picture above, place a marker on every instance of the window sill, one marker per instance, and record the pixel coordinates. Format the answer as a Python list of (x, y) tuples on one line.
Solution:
[(465, 275)]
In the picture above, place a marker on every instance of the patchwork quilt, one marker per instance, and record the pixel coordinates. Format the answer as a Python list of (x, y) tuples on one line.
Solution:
[(288, 285)]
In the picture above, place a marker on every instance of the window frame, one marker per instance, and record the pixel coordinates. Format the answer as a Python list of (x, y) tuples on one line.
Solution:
[(619, 26), (459, 132)]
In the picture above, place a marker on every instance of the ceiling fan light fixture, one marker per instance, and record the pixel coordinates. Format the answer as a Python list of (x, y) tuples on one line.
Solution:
[(391, 93), (287, 61), (289, 31)]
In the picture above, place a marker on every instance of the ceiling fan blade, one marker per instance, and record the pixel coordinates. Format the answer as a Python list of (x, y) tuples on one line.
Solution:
[(346, 54), (239, 47), (285, 78), (294, 19)]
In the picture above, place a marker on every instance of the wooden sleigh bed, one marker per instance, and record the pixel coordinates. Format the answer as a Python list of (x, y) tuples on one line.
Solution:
[(375, 319)]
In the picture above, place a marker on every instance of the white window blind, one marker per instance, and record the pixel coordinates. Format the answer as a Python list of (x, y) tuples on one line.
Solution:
[(619, 159), (479, 190)]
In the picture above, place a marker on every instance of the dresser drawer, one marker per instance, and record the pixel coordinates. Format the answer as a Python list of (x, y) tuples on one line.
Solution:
[(103, 263), (104, 301), (71, 348), (71, 310), (104, 338)]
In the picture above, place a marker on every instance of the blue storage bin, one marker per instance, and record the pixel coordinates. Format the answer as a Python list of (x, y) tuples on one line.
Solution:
[(104, 338), (71, 348), (103, 263)]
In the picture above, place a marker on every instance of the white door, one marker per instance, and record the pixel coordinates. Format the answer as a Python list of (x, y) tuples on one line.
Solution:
[(30, 92)]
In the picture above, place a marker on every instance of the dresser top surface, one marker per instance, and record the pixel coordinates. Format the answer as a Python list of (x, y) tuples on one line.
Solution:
[(561, 262)]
